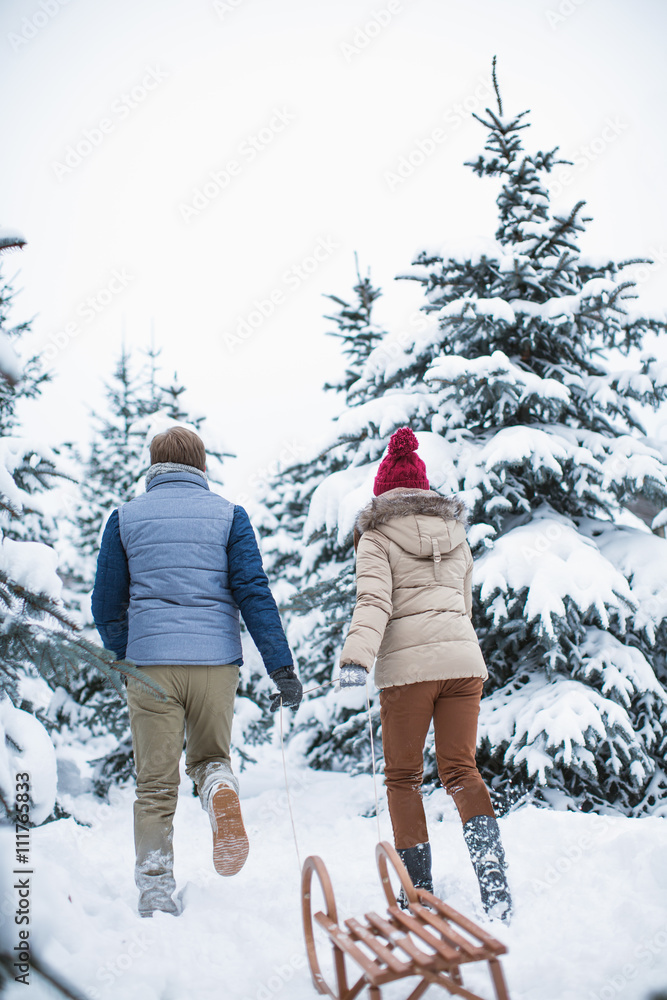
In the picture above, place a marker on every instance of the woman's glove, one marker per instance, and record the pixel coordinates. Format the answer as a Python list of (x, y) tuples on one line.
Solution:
[(352, 675), (289, 689)]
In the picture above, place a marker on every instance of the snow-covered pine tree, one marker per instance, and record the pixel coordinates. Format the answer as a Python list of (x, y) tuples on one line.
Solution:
[(356, 330), (108, 477), (527, 390), (114, 461), (316, 588), (173, 405), (171, 409), (542, 378), (38, 640)]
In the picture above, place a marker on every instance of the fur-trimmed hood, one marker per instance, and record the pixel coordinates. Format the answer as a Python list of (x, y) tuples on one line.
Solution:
[(402, 502), (414, 519)]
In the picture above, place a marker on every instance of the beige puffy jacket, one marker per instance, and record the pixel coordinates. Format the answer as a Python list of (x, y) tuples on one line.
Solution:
[(414, 597)]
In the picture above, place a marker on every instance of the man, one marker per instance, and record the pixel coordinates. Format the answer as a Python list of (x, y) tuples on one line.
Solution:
[(176, 565)]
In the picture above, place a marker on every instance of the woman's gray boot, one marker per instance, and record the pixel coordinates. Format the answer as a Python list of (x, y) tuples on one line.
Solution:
[(417, 860), (482, 837)]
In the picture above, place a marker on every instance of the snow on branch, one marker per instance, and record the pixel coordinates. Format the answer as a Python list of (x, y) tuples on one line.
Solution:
[(25, 745), (24, 455), (623, 671), (545, 565), (495, 369), (11, 239), (11, 365), (545, 724), (642, 559), (385, 414), (32, 566)]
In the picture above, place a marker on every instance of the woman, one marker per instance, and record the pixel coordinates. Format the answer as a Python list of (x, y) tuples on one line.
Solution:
[(413, 612)]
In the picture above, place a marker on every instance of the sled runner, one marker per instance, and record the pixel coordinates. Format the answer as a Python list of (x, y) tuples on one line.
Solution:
[(430, 940)]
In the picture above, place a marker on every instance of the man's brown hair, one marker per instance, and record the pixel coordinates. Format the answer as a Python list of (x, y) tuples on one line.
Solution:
[(180, 445)]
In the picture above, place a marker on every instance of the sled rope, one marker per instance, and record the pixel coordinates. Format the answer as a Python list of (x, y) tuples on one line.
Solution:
[(287, 791), (318, 687), (289, 799)]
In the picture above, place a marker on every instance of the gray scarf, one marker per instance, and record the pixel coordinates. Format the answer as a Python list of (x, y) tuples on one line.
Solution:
[(161, 468)]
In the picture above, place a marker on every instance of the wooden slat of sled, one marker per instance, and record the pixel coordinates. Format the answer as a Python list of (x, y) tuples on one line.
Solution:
[(415, 926), (383, 951), (457, 918), (401, 940), (468, 951), (343, 940)]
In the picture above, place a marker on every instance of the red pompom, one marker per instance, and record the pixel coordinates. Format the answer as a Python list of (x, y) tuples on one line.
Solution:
[(402, 442)]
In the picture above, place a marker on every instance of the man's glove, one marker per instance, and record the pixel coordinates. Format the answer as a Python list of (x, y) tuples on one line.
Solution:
[(352, 675), (289, 689)]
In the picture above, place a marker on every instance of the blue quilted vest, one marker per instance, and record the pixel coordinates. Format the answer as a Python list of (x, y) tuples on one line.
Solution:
[(181, 608)]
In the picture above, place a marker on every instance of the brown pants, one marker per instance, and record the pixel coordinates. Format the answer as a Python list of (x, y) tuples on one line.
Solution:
[(406, 712), (200, 704)]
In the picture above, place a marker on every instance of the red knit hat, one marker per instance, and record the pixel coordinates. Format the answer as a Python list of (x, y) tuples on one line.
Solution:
[(401, 467)]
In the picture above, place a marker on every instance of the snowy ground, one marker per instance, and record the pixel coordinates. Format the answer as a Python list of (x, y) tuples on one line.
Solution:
[(590, 896)]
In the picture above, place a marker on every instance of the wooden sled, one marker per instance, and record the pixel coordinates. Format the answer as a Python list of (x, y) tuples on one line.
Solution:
[(431, 940)]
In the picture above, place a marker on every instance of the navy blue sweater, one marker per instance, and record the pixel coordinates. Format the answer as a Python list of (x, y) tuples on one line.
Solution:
[(247, 580)]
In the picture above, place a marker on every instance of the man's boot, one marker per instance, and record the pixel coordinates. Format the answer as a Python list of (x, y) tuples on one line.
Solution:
[(154, 879), (218, 790), (417, 860), (482, 837)]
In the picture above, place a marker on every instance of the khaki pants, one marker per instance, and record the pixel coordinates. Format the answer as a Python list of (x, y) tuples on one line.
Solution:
[(406, 712), (200, 705)]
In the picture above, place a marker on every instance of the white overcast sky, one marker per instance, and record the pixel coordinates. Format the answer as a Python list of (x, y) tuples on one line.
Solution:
[(158, 95)]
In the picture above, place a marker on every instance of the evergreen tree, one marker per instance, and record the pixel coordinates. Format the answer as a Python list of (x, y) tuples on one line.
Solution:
[(317, 588), (526, 389), (358, 333), (171, 409), (38, 639), (528, 360), (115, 461)]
